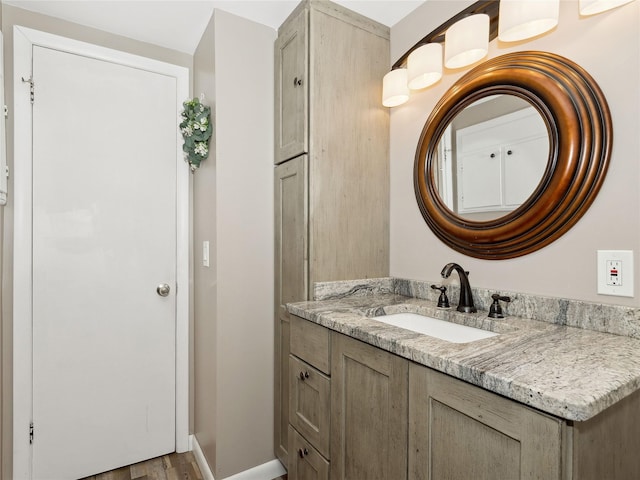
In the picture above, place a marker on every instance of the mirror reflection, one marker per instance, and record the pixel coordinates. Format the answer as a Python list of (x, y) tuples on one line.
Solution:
[(491, 157)]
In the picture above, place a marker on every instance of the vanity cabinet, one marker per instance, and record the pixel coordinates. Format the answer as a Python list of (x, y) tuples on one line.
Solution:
[(388, 418), (290, 281), (348, 407), (332, 164), (309, 402), (458, 430), (368, 411)]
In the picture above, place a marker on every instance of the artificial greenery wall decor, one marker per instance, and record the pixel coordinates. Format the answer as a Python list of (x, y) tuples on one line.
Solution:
[(196, 130)]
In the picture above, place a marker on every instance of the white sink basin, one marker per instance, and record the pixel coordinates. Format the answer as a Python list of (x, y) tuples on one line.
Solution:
[(451, 332)]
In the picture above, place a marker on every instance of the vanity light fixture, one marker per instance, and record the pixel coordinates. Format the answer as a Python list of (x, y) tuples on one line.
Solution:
[(522, 19), (466, 38), (591, 7), (424, 66), (394, 88), (466, 41)]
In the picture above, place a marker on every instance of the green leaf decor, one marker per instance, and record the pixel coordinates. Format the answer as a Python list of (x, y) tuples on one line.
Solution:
[(196, 130)]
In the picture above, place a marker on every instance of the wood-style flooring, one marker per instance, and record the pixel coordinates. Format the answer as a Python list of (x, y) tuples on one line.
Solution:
[(175, 466)]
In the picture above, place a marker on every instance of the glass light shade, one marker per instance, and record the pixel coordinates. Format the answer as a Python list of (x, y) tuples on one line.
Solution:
[(466, 41), (424, 66), (521, 19), (591, 7), (394, 88)]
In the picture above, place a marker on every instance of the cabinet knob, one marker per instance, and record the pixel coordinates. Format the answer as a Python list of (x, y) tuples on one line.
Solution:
[(509, 152), (303, 452), (304, 375), (493, 155), (297, 82)]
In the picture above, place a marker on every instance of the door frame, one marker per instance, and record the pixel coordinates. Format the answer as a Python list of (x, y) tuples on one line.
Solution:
[(23, 41)]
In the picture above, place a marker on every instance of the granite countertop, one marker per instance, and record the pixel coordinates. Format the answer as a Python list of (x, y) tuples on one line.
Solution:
[(573, 373)]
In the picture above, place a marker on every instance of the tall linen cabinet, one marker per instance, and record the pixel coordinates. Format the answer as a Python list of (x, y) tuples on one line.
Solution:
[(332, 164)]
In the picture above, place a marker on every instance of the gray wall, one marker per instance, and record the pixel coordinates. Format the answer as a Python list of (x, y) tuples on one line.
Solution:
[(233, 210), (607, 46), (205, 279), (15, 16)]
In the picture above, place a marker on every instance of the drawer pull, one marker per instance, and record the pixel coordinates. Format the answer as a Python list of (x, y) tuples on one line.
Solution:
[(303, 452), (304, 375)]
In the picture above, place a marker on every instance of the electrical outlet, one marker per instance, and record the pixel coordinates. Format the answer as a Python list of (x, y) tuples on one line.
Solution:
[(615, 272)]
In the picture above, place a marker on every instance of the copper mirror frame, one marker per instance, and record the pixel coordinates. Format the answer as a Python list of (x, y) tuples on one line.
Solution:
[(580, 138)]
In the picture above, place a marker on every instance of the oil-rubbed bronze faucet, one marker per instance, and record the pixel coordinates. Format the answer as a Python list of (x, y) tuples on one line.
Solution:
[(465, 304)]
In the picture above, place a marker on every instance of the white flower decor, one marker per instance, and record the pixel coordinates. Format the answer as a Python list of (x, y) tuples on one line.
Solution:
[(196, 130)]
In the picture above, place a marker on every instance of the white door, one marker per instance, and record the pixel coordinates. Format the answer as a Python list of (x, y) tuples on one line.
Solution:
[(104, 238)]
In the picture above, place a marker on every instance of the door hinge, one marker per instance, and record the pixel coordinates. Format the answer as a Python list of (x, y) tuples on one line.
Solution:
[(31, 87), (31, 433)]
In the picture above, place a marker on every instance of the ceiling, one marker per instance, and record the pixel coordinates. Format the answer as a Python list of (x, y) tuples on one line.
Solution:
[(179, 24)]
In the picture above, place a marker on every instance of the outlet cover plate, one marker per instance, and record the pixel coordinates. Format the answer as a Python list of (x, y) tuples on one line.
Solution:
[(623, 259)]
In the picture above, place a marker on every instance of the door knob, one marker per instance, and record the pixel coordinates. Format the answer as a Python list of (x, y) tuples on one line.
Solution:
[(163, 289)]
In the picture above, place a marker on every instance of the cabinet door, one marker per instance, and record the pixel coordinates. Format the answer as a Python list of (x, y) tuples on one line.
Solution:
[(457, 430), (290, 280), (305, 463), (291, 84), (291, 220), (368, 411)]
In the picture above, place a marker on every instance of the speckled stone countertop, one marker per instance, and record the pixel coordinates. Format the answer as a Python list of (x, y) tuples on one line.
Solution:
[(573, 373)]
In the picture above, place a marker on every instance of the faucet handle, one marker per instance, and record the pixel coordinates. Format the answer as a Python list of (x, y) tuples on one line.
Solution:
[(443, 301), (495, 311)]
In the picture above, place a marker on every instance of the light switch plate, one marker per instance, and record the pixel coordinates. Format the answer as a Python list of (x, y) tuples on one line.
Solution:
[(205, 253), (615, 272)]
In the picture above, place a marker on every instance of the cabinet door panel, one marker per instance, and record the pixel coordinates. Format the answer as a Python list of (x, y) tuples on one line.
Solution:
[(487, 453), (309, 409), (368, 411), (458, 430), (290, 280), (291, 84), (291, 223)]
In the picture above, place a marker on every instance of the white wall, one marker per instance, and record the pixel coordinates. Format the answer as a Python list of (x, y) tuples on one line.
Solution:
[(233, 209), (608, 47)]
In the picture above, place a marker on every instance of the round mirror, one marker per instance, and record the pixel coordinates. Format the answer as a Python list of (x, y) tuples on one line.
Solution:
[(491, 157), (513, 155)]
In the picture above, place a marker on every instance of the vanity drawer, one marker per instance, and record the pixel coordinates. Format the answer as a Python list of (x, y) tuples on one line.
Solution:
[(309, 403), (310, 342), (305, 462)]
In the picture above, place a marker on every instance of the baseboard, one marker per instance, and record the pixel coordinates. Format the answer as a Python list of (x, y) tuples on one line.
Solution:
[(266, 471), (206, 472)]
